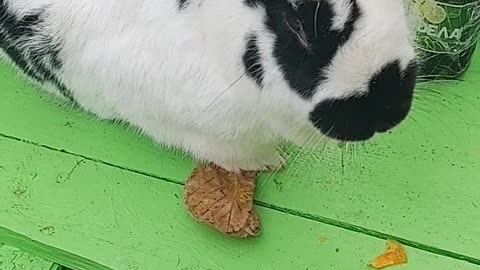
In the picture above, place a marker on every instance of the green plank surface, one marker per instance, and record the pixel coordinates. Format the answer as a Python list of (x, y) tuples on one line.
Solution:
[(89, 215), (14, 259), (421, 182), (418, 183)]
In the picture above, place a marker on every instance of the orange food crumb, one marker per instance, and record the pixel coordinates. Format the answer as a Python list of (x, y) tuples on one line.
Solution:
[(393, 255)]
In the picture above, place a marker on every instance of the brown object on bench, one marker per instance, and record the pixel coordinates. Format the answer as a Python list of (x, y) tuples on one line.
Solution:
[(223, 200), (394, 255)]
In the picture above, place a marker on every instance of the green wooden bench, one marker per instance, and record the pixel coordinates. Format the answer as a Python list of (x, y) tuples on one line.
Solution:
[(88, 194), (15, 259)]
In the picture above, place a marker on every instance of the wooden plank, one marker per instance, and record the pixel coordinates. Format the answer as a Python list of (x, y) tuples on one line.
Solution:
[(30, 114), (88, 215), (379, 190), (421, 182), (15, 259)]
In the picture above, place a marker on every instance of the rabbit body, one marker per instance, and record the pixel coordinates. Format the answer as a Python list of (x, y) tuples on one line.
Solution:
[(210, 77)]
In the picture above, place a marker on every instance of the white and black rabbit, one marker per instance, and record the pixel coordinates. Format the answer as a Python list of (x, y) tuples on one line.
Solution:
[(224, 80)]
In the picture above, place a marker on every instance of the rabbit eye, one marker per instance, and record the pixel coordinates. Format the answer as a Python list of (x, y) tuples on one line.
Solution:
[(295, 26)]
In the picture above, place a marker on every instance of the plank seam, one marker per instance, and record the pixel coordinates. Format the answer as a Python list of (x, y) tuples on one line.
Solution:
[(316, 218), (370, 232), (62, 259)]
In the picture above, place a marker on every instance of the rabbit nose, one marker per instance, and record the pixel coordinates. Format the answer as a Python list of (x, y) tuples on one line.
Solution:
[(358, 118)]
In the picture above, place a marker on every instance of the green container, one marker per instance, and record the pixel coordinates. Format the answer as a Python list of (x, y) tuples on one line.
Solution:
[(447, 33)]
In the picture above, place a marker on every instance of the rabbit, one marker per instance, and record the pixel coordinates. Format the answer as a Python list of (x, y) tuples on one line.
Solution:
[(225, 81)]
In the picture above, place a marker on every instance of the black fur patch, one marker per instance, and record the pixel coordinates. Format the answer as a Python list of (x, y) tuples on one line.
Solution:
[(253, 3), (305, 43), (183, 4), (252, 61), (384, 106), (39, 61)]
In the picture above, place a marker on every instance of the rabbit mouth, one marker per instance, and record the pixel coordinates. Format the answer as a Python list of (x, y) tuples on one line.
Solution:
[(386, 104)]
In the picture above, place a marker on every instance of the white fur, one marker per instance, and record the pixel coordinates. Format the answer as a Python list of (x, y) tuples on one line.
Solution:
[(167, 72)]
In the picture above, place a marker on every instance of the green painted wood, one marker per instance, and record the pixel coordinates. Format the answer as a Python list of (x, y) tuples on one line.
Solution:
[(419, 183), (88, 215), (16, 259)]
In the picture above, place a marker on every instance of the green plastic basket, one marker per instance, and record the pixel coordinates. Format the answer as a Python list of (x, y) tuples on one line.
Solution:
[(447, 33)]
